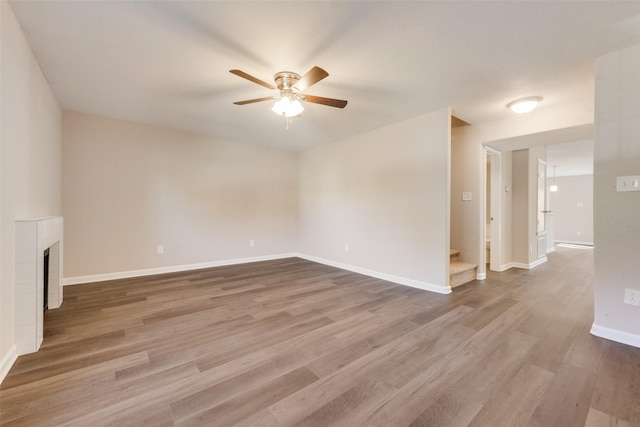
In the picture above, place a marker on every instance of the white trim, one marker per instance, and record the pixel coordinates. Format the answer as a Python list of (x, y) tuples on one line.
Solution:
[(173, 269), (161, 270), (505, 267), (530, 265), (496, 245), (378, 275), (520, 265), (549, 250), (7, 362), (575, 242), (32, 238), (481, 276), (615, 335), (538, 262)]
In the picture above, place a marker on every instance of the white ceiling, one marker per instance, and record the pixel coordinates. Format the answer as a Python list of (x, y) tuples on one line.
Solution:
[(167, 63)]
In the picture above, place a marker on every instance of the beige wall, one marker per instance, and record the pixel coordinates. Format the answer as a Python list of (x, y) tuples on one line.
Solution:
[(464, 233), (30, 154), (616, 215), (507, 208), (128, 188), (520, 207), (385, 195), (570, 218)]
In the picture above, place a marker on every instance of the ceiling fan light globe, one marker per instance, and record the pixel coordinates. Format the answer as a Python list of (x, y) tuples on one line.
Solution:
[(295, 109), (281, 106)]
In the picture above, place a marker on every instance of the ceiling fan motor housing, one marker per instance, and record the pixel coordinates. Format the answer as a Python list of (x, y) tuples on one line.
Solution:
[(285, 80)]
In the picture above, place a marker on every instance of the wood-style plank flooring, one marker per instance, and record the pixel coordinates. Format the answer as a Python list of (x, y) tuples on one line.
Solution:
[(292, 342)]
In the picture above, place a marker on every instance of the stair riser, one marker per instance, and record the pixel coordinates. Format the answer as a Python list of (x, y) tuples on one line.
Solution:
[(461, 278), (460, 272)]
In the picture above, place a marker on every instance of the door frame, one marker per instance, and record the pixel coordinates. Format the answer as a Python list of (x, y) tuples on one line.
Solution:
[(541, 211), (496, 247)]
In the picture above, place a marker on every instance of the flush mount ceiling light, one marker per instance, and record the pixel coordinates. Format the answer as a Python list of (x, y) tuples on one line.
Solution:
[(524, 105)]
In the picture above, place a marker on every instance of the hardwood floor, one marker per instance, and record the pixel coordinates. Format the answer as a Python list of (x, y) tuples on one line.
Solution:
[(291, 342)]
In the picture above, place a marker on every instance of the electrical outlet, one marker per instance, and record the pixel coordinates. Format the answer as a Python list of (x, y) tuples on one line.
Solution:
[(252, 243), (632, 297), (346, 247), (160, 249)]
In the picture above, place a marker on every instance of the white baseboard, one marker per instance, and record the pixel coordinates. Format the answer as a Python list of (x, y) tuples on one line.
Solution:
[(549, 250), (481, 276), (173, 269), (530, 265), (378, 275), (538, 262), (574, 242), (7, 362), (520, 265), (505, 267), (616, 335)]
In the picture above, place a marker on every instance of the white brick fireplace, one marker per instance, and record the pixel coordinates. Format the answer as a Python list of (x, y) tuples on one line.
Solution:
[(33, 237)]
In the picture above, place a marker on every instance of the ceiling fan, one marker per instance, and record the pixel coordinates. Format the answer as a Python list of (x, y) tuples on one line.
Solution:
[(290, 87)]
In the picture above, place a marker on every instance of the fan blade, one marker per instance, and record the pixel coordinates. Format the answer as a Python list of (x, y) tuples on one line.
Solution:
[(331, 102), (251, 101), (252, 79), (312, 77)]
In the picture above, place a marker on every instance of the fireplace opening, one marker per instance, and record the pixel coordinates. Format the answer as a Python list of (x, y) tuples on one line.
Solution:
[(45, 277)]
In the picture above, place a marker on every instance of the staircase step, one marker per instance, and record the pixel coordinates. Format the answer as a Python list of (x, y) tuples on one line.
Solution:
[(461, 272), (453, 255)]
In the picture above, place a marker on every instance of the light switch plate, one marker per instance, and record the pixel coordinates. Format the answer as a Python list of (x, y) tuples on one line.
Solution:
[(628, 183), (632, 297), (466, 196)]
